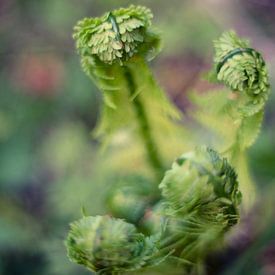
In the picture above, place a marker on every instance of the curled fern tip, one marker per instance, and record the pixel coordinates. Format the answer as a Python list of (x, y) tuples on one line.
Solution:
[(116, 36), (243, 70)]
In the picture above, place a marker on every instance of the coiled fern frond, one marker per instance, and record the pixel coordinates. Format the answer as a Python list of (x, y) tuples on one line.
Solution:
[(201, 198), (198, 178), (243, 70), (110, 246), (114, 50), (234, 120), (116, 36), (113, 39)]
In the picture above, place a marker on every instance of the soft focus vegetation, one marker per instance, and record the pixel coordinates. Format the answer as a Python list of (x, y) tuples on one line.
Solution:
[(51, 165)]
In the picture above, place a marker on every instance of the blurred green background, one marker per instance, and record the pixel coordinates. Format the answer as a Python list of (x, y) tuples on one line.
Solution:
[(48, 108)]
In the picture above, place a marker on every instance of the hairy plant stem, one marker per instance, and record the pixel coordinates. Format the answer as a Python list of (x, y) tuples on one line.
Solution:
[(153, 155)]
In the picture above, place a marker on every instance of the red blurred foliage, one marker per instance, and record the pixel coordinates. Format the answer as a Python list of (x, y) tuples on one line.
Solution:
[(39, 75)]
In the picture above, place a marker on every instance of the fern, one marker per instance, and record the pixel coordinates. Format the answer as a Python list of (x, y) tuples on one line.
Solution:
[(108, 246), (243, 70), (199, 198), (114, 49)]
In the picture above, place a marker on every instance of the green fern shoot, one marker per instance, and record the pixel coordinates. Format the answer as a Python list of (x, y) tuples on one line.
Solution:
[(184, 213)]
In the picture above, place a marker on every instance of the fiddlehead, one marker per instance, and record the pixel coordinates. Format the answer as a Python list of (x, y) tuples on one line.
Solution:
[(116, 36), (243, 70), (111, 39), (201, 198), (234, 120), (111, 246), (114, 50)]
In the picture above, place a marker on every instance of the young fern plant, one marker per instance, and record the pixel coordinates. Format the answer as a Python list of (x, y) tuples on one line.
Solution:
[(199, 198), (243, 71), (114, 51)]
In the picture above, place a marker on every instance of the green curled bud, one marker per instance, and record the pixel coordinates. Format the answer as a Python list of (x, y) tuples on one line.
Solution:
[(116, 36), (202, 198), (129, 197), (202, 182), (107, 245), (243, 70)]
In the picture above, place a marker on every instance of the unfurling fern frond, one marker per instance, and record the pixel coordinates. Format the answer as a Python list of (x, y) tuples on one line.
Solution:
[(110, 246), (243, 70), (113, 39), (105, 44), (114, 51), (116, 36), (201, 197), (234, 120)]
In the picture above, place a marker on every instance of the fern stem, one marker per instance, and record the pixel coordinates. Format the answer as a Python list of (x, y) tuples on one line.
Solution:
[(153, 155)]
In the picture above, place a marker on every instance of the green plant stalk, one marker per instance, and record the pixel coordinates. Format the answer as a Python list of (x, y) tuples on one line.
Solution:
[(153, 155)]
